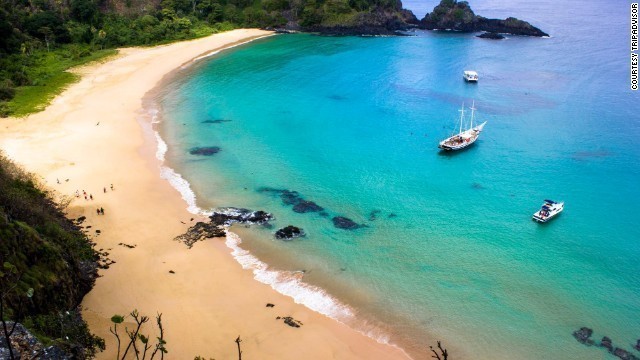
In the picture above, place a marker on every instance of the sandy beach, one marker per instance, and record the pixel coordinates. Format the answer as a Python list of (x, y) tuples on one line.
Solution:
[(96, 135)]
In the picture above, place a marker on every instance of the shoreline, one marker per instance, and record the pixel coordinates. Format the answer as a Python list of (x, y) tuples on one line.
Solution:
[(209, 299)]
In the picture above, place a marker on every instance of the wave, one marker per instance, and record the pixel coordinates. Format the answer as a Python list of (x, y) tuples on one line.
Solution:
[(288, 283)]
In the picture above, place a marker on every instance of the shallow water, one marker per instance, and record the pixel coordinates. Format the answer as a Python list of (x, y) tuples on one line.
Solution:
[(449, 250)]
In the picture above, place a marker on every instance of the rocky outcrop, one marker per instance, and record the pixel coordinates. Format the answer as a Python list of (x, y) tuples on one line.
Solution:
[(377, 22), (491, 35), (219, 220), (584, 335), (458, 16), (289, 233), (25, 346)]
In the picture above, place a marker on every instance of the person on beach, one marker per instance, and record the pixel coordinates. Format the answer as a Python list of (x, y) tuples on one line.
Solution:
[(111, 187), (105, 190), (98, 211), (85, 196), (91, 196), (101, 211)]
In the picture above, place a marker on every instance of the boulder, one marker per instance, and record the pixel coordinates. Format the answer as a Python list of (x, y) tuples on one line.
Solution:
[(290, 232), (584, 335)]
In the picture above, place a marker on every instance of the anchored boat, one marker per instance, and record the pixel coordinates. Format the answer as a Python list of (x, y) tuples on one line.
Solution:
[(470, 76), (464, 137), (548, 211)]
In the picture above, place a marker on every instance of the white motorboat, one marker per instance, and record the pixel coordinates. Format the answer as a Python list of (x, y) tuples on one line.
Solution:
[(464, 137), (548, 211), (470, 76)]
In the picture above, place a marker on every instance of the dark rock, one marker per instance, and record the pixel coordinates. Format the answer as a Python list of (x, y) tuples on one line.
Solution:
[(171, 272), (373, 215), (458, 16), (491, 35), (288, 197), (218, 220), (624, 354), (228, 216), (323, 213), (27, 346), (583, 335), (289, 232), (637, 346), (215, 121), (270, 305), (342, 222), (392, 215), (204, 151), (81, 219), (292, 322), (606, 343), (306, 206)]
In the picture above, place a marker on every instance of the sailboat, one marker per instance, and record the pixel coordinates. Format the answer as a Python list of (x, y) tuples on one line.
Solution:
[(464, 137)]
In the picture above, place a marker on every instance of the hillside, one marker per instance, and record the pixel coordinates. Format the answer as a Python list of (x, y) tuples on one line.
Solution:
[(48, 265)]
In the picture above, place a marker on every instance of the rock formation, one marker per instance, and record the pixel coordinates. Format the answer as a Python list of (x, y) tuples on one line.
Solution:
[(458, 16)]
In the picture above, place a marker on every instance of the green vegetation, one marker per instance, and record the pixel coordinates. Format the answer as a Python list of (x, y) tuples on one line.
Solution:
[(40, 40), (47, 265)]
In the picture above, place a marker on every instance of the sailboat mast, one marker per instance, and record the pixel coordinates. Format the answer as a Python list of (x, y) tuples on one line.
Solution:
[(461, 118), (473, 109)]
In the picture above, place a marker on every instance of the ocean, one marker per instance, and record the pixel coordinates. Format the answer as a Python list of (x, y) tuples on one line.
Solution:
[(446, 249)]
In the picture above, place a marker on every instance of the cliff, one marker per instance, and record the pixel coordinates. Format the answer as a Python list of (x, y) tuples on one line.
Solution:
[(458, 16)]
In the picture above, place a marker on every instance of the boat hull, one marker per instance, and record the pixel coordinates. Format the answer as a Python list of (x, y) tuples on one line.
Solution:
[(553, 212), (462, 140)]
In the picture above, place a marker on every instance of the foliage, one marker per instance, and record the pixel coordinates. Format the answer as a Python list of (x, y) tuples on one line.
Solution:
[(31, 30), (48, 264), (138, 342)]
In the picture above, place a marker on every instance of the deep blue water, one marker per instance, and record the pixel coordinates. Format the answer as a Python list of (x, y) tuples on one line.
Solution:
[(353, 124)]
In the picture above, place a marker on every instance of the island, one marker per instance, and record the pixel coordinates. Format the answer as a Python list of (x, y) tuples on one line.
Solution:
[(457, 16)]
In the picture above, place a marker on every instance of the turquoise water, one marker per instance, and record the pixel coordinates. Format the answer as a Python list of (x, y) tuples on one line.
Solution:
[(452, 254)]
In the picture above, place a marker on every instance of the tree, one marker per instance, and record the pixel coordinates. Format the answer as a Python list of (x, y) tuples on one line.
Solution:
[(137, 341)]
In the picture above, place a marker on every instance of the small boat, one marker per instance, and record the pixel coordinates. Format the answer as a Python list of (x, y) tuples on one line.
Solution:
[(548, 211), (470, 76), (463, 138)]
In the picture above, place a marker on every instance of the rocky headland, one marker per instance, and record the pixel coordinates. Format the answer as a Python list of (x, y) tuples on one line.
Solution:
[(457, 16)]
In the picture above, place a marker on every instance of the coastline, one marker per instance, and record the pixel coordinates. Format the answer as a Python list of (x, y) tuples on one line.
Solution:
[(210, 299)]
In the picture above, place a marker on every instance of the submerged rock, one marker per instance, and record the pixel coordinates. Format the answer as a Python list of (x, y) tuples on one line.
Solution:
[(583, 335), (624, 354), (637, 346), (491, 35), (306, 206), (289, 197), (374, 215), (205, 151), (290, 232), (342, 222), (606, 343)]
